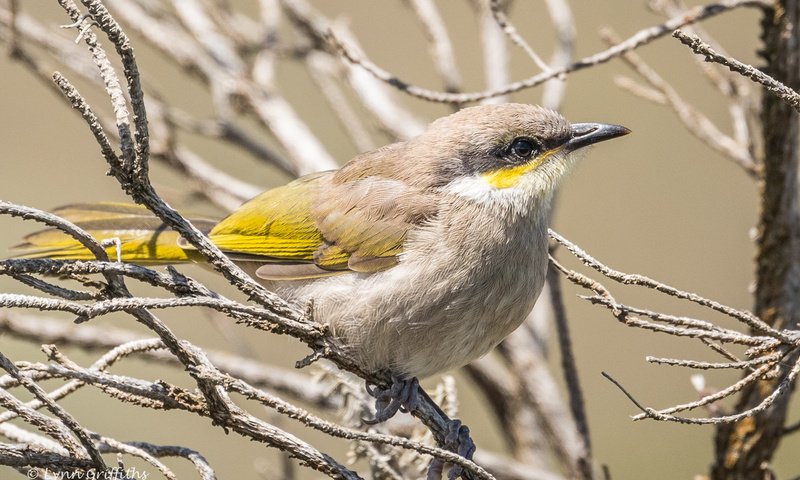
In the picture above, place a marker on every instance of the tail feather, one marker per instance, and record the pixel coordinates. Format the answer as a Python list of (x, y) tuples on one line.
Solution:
[(143, 238)]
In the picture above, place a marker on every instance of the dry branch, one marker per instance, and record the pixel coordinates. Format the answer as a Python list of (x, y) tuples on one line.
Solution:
[(642, 37), (773, 86), (235, 58)]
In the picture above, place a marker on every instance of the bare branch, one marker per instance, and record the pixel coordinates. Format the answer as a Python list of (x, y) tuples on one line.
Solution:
[(564, 23), (632, 279), (643, 37), (337, 431), (20, 456), (323, 69), (696, 123), (511, 32), (374, 94), (91, 338), (570, 370), (494, 51), (773, 86), (441, 48)]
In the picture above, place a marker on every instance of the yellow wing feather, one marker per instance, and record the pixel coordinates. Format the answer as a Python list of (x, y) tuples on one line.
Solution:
[(142, 236), (275, 224), (312, 227)]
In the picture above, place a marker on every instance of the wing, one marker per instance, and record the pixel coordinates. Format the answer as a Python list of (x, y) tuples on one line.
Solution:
[(320, 225), (143, 237), (274, 226), (365, 222), (355, 219)]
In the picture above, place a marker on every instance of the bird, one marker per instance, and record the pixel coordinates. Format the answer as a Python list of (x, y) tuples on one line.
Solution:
[(420, 256)]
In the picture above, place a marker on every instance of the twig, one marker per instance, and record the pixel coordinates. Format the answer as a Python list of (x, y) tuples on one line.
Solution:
[(632, 279), (511, 32), (696, 123), (564, 23), (135, 451), (52, 289), (771, 358), (65, 417), (253, 316), (494, 52), (676, 326), (101, 364), (92, 338), (200, 463), (622, 389), (641, 91), (509, 469), (570, 370), (766, 402), (336, 431), (323, 71), (789, 96), (123, 47), (376, 97), (8, 208), (743, 106), (229, 416), (32, 457), (538, 388), (441, 48), (518, 419), (641, 38)]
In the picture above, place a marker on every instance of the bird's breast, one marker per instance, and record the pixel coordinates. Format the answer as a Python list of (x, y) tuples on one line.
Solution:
[(465, 280)]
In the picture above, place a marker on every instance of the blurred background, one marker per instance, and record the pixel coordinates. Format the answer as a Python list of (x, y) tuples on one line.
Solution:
[(658, 202)]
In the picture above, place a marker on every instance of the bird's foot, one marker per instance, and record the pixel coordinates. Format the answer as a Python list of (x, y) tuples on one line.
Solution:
[(400, 397), (459, 441)]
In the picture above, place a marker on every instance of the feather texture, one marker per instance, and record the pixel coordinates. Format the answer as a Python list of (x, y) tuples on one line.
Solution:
[(143, 238)]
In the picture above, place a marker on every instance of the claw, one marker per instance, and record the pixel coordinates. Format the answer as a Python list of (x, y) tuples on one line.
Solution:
[(400, 397), (435, 469), (457, 440)]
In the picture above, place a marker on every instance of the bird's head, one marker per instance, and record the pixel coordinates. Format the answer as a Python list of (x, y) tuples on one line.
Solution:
[(506, 151)]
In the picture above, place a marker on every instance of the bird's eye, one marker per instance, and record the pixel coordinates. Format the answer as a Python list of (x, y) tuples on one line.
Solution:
[(523, 147)]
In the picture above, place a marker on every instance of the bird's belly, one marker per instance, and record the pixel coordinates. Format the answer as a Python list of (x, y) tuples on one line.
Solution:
[(420, 318)]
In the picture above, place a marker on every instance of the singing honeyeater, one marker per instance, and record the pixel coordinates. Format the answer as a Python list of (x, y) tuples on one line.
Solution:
[(421, 255)]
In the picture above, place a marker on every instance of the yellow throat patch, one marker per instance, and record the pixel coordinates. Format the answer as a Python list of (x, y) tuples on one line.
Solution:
[(506, 177)]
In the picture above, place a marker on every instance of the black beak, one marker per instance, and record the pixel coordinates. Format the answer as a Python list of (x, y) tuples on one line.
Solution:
[(585, 134)]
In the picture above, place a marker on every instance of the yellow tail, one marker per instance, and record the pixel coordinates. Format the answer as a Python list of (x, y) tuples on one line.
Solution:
[(143, 238)]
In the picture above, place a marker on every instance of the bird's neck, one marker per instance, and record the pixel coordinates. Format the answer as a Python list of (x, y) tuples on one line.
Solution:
[(515, 225)]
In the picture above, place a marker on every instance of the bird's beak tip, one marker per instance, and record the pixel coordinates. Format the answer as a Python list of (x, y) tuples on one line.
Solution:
[(585, 134)]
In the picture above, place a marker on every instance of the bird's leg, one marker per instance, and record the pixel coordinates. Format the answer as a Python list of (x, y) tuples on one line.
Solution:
[(459, 441), (401, 396)]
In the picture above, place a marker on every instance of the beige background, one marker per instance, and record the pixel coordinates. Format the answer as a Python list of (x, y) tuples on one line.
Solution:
[(657, 202)]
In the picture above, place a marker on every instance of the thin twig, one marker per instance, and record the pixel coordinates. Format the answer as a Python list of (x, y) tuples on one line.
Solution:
[(632, 279), (789, 96), (696, 123), (336, 431), (570, 370), (641, 38), (441, 48), (83, 436), (495, 6), (563, 53)]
